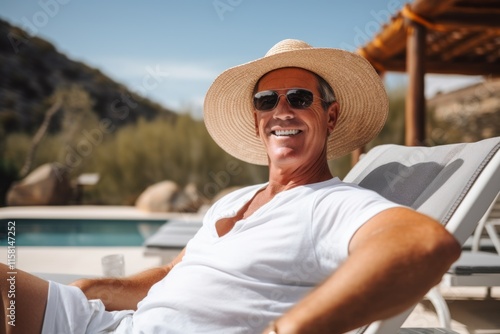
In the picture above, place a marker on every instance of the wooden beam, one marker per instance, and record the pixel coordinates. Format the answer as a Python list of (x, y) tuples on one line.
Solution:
[(389, 42), (439, 45), (456, 21), (356, 154), (475, 10), (493, 56), (468, 44), (479, 67), (431, 8), (415, 99)]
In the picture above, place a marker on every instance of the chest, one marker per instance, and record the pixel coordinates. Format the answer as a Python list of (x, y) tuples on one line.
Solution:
[(276, 248), (224, 225)]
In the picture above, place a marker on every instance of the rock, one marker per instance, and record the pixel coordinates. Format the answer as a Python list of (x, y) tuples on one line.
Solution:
[(192, 193), (159, 197), (166, 196), (192, 200), (48, 184), (186, 200)]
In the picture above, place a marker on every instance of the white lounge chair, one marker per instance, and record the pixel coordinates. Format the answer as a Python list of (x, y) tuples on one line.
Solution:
[(170, 239), (474, 267), (486, 235), (455, 184)]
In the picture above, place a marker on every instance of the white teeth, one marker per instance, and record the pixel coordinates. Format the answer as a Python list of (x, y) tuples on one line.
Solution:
[(286, 132)]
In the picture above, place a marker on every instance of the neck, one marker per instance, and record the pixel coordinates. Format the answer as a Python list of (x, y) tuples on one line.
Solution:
[(281, 179)]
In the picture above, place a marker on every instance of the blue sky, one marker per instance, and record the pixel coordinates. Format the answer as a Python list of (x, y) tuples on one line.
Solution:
[(187, 43)]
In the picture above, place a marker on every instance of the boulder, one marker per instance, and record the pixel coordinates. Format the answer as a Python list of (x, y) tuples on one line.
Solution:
[(159, 197), (48, 184), (192, 200)]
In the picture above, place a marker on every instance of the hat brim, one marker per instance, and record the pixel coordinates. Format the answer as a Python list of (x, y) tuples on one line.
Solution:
[(228, 108)]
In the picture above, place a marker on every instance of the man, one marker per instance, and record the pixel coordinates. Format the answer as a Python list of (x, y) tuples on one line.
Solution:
[(302, 253)]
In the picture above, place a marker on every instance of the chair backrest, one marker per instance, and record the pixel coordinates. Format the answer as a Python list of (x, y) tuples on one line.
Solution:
[(432, 180), (455, 184)]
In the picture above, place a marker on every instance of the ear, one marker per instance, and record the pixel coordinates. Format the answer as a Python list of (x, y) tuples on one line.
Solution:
[(332, 114)]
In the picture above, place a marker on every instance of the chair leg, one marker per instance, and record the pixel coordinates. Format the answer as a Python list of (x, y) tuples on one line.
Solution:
[(492, 233), (488, 292), (442, 310)]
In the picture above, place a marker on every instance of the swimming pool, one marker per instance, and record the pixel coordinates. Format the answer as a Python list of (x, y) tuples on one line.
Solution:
[(79, 232)]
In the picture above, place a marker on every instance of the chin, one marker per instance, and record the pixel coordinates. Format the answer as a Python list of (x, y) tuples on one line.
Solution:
[(286, 159)]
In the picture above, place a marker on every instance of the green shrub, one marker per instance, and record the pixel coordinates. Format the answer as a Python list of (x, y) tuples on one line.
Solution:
[(8, 174), (147, 152)]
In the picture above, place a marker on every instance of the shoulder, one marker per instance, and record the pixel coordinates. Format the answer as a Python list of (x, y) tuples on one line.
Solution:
[(347, 203), (344, 192)]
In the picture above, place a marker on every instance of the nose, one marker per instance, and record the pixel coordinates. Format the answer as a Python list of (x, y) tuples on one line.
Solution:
[(283, 109)]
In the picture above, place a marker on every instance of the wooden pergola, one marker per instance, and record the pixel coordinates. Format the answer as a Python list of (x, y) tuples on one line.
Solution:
[(436, 36)]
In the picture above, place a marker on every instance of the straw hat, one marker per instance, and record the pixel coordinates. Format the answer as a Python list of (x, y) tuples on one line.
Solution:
[(228, 107)]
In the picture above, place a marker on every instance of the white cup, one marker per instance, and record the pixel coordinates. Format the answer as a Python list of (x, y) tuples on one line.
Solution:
[(113, 265)]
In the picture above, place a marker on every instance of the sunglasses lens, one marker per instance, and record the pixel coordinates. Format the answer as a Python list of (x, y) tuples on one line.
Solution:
[(265, 100), (299, 98)]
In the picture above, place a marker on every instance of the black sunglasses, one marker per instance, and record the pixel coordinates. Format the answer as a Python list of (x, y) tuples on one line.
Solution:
[(298, 98)]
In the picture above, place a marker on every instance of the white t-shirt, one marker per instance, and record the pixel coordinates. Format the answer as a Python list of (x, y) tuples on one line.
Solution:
[(241, 281)]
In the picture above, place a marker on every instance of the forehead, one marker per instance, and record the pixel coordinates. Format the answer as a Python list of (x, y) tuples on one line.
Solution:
[(289, 77)]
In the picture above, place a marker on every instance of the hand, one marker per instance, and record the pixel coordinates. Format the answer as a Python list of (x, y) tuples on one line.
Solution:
[(271, 329), (108, 290)]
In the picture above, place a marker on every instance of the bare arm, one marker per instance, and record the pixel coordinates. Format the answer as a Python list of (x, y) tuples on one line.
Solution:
[(395, 258), (124, 293)]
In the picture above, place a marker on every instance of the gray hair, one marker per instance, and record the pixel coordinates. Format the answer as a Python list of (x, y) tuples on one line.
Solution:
[(325, 91)]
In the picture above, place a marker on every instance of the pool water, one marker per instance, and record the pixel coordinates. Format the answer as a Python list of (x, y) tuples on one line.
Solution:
[(79, 232)]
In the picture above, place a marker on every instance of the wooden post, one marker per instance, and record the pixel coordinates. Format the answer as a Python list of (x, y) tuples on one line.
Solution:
[(415, 98), (356, 154)]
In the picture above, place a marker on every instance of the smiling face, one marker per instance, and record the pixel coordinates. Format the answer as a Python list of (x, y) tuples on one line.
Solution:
[(294, 137)]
